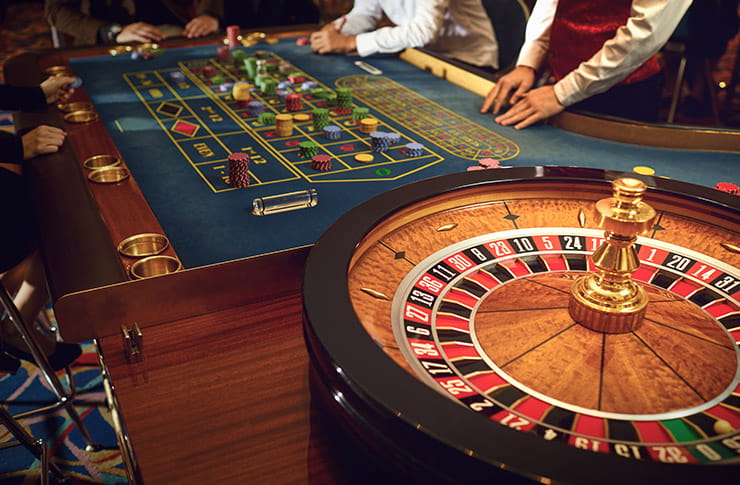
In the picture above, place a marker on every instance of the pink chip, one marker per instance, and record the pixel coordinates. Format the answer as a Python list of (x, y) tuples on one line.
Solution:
[(488, 163)]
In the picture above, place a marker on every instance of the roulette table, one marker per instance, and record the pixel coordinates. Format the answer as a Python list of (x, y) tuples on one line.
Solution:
[(224, 388)]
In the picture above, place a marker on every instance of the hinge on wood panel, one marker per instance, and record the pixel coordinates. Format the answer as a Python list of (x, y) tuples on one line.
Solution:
[(133, 343)]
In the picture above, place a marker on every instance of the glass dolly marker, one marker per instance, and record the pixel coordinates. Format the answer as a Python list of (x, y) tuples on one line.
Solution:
[(367, 67)]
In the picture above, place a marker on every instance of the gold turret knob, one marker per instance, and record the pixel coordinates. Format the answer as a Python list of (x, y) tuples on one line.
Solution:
[(609, 300)]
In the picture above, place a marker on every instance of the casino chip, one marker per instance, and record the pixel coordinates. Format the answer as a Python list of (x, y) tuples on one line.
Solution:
[(332, 132), (368, 125), (414, 150), (378, 141), (643, 170), (308, 149), (489, 163), (302, 41), (321, 162), (239, 170), (364, 158), (728, 187), (76, 83)]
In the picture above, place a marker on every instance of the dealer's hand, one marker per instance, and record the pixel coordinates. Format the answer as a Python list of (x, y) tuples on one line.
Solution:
[(536, 105), (200, 26), (330, 40), (41, 140), (56, 88), (139, 32), (520, 80)]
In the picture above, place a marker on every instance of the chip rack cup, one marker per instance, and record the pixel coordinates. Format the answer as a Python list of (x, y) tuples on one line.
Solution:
[(108, 175), (143, 245), (74, 106), (97, 162), (157, 265)]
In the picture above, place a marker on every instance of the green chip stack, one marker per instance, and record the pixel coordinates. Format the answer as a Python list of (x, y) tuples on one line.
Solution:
[(238, 56), (307, 149), (331, 99), (344, 98), (267, 118), (267, 86), (318, 93), (251, 64), (358, 114), (320, 118)]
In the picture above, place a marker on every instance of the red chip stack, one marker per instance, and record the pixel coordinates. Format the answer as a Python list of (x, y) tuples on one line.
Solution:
[(293, 102), (232, 34), (239, 170), (321, 162)]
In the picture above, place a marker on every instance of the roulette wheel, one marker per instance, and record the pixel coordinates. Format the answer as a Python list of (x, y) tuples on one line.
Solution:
[(437, 318)]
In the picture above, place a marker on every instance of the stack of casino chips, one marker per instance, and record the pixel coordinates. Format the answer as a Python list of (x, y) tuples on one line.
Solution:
[(240, 92), (308, 85), (232, 34), (321, 162), (307, 149), (378, 141), (239, 170), (332, 132), (237, 57), (318, 93), (393, 138), (368, 125), (293, 102), (284, 124), (296, 77), (344, 97), (414, 150), (254, 108), (209, 71), (266, 118), (331, 99), (359, 114), (250, 63), (224, 53), (284, 84), (267, 86), (285, 66), (728, 187), (217, 79), (320, 118), (282, 94)]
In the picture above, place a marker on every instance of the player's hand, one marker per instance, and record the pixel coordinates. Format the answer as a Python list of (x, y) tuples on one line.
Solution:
[(520, 80), (139, 32), (41, 140), (536, 105), (56, 88), (330, 41), (200, 26)]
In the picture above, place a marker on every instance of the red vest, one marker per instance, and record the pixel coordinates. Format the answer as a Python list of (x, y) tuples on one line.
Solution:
[(580, 28)]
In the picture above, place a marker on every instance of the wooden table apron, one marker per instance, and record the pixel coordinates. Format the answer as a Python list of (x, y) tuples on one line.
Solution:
[(223, 391)]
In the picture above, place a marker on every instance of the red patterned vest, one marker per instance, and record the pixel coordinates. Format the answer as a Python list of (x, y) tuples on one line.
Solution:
[(580, 28)]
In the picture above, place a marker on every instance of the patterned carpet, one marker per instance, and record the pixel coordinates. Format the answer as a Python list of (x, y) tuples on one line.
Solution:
[(28, 390)]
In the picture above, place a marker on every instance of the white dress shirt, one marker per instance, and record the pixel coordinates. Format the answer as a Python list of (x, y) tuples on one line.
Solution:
[(649, 26), (459, 29)]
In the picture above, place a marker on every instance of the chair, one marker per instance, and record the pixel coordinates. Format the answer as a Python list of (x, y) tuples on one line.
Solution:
[(37, 447), (65, 397), (509, 20)]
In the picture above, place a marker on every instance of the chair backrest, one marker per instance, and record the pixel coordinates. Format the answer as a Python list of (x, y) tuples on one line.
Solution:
[(509, 20)]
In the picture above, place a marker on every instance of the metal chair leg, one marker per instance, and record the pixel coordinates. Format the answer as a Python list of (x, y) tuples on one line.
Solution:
[(65, 398), (37, 447)]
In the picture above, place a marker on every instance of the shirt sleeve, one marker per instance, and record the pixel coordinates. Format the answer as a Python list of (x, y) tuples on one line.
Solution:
[(68, 18), (649, 26), (537, 35), (422, 29), (11, 148)]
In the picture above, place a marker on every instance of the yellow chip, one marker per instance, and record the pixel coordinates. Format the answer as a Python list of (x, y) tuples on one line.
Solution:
[(643, 170), (248, 42), (271, 40), (284, 117), (301, 117), (364, 158)]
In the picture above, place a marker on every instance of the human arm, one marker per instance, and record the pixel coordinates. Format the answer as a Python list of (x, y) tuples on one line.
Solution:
[(207, 19), (339, 36), (417, 31), (516, 83), (68, 18), (649, 26)]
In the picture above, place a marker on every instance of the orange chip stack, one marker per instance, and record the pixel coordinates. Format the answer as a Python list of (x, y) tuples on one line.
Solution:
[(284, 124)]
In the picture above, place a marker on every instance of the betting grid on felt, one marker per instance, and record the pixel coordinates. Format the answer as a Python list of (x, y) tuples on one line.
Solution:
[(175, 136)]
